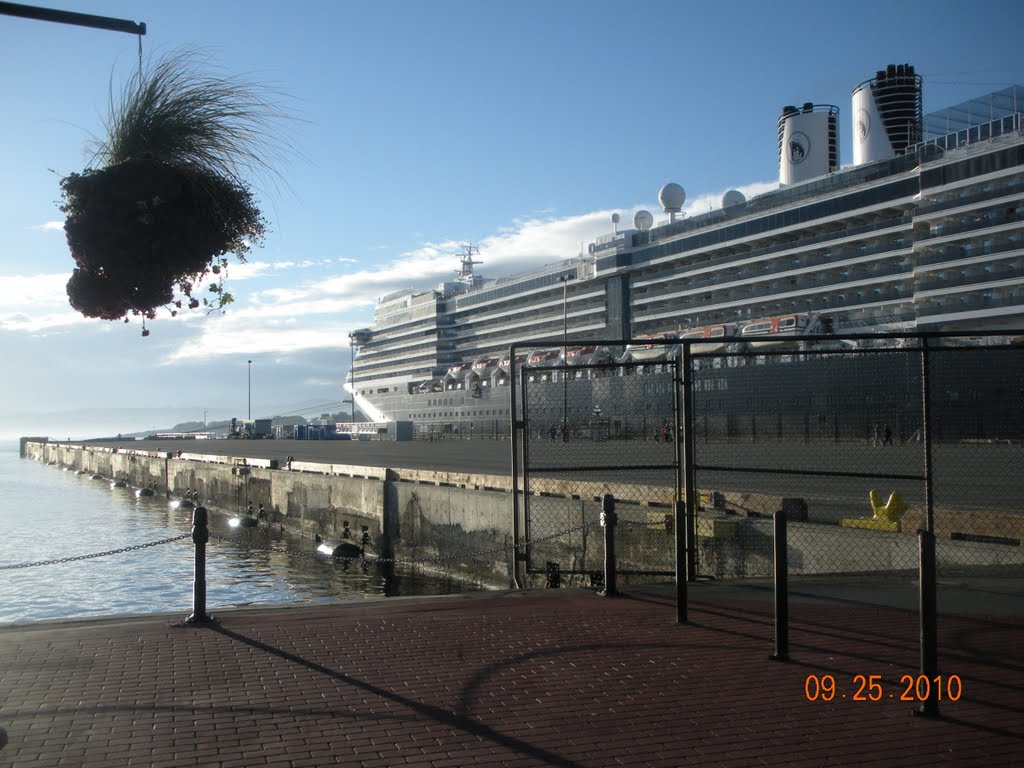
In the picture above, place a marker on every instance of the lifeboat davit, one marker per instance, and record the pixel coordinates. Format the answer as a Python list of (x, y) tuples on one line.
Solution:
[(775, 331), (715, 337), (643, 353), (545, 357)]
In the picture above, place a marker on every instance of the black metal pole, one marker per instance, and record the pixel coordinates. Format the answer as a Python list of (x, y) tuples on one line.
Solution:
[(69, 17), (781, 590), (681, 558), (926, 434), (689, 474), (200, 535), (608, 521), (929, 624), (518, 556)]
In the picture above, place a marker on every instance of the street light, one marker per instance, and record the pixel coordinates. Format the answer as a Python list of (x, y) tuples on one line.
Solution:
[(250, 390), (352, 374), (565, 357)]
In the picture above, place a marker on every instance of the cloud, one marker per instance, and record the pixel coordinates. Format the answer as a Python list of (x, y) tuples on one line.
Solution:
[(36, 303), (321, 313), (49, 226), (712, 200)]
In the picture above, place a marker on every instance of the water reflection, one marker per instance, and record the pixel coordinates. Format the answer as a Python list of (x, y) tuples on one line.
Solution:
[(50, 514)]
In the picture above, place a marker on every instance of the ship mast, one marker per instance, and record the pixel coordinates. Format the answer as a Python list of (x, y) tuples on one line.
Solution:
[(466, 272)]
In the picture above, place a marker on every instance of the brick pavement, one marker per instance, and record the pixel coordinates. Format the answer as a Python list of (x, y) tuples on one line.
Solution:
[(556, 678)]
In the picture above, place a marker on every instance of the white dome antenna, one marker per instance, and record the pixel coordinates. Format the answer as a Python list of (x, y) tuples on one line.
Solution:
[(615, 221), (672, 196), (643, 220), (733, 197)]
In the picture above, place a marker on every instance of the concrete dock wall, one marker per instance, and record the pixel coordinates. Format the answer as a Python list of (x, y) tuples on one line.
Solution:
[(408, 514), (462, 523)]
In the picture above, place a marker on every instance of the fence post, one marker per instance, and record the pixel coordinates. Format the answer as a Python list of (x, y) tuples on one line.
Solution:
[(781, 589), (683, 542), (200, 535), (608, 521), (929, 625)]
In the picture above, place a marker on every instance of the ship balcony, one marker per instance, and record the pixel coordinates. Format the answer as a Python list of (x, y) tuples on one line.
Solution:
[(989, 222), (955, 255), (1005, 193), (747, 291), (792, 268), (969, 282), (989, 304), (707, 259), (854, 289)]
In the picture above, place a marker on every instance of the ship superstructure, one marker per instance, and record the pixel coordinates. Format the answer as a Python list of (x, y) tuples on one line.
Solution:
[(924, 232)]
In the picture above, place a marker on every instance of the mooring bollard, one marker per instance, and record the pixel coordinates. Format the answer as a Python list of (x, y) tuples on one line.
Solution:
[(781, 589), (200, 535), (608, 521)]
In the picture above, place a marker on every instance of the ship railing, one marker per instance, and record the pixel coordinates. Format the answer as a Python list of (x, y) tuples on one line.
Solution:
[(1013, 298), (1013, 186), (954, 252), (980, 224), (900, 222), (766, 270), (1009, 272), (976, 134)]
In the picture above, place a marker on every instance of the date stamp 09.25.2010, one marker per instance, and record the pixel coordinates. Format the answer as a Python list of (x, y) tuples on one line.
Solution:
[(873, 688)]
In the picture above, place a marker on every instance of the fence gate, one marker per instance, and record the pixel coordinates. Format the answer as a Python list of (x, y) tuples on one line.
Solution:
[(583, 431)]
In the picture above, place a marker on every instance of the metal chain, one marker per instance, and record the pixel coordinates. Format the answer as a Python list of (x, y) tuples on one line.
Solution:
[(95, 554), (405, 560), (302, 553), (641, 523)]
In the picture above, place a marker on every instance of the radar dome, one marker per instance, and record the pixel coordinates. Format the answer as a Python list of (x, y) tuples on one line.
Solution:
[(733, 197), (643, 220), (672, 197), (615, 218)]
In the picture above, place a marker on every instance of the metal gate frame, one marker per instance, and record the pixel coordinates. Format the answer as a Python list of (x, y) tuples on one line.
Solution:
[(684, 504)]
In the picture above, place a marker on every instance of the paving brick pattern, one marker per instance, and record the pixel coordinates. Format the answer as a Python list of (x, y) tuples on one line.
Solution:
[(557, 678)]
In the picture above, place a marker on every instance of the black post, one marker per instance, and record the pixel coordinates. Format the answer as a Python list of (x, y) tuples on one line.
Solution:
[(688, 461), (200, 535), (781, 590), (929, 624), (682, 558), (608, 521)]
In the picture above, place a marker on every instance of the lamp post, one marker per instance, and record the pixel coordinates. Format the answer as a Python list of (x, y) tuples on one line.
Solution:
[(250, 390), (565, 357), (352, 374)]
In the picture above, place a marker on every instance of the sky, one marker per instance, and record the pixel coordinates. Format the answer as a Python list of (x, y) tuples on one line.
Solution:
[(519, 126)]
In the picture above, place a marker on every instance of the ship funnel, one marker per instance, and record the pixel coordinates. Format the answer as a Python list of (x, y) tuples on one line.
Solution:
[(808, 142), (887, 115)]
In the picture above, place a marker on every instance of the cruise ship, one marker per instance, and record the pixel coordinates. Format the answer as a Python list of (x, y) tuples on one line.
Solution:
[(923, 231)]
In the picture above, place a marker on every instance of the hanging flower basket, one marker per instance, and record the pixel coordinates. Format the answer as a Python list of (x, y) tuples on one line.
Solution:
[(169, 204)]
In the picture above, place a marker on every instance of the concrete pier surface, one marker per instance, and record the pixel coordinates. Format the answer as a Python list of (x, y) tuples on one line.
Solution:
[(487, 457), (542, 678)]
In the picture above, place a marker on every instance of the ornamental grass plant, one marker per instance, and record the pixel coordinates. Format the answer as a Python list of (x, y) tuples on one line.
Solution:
[(166, 198)]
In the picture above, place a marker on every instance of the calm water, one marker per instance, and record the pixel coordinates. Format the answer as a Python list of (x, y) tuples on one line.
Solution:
[(48, 513)]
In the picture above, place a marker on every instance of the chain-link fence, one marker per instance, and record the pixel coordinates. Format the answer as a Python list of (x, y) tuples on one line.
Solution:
[(838, 438), (861, 440), (592, 430)]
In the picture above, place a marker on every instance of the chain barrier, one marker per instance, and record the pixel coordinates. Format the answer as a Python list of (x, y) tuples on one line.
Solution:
[(302, 553), (76, 558), (402, 560), (642, 523)]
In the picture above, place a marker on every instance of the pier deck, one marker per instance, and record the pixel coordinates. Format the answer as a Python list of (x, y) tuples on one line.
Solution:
[(549, 678)]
